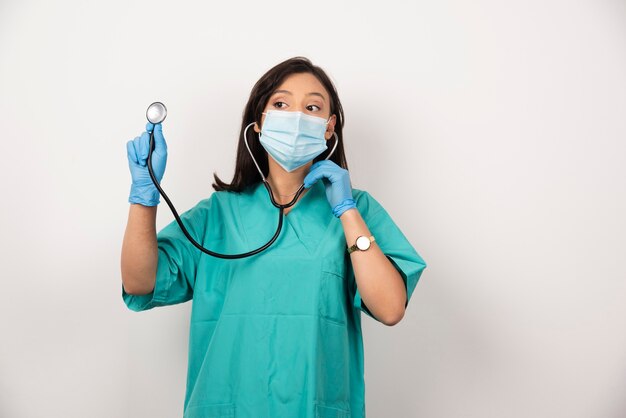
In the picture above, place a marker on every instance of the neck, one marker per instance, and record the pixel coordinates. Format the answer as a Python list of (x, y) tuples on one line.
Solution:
[(285, 183)]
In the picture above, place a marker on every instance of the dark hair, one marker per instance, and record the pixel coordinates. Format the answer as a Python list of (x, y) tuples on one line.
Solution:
[(246, 173)]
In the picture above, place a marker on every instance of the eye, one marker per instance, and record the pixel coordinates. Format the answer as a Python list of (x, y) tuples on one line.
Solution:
[(313, 110), (280, 105)]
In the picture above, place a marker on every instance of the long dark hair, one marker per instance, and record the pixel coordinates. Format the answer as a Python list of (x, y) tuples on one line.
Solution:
[(246, 173)]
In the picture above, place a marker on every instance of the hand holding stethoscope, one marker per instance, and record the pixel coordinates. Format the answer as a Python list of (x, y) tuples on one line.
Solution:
[(147, 157)]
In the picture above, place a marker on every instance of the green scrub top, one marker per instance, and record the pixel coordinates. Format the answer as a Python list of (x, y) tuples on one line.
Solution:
[(277, 334)]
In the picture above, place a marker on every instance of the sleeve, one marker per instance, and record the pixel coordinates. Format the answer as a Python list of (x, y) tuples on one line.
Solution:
[(393, 244), (177, 262)]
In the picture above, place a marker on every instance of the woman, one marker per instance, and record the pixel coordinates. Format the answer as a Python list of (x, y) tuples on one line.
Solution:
[(277, 334)]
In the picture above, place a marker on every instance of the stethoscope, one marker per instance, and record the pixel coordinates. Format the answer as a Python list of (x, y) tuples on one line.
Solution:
[(156, 113)]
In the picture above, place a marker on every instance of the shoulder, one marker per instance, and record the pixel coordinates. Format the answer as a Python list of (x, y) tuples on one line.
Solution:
[(214, 201), (224, 199), (220, 198), (366, 204), (209, 210)]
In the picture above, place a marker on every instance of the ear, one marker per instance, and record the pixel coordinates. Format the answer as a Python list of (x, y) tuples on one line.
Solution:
[(256, 128), (330, 128)]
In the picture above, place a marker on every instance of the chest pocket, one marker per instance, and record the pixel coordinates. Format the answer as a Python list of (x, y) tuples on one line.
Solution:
[(334, 298), (226, 410), (322, 411)]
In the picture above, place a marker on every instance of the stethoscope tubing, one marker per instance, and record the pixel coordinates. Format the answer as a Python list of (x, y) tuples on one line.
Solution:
[(281, 210)]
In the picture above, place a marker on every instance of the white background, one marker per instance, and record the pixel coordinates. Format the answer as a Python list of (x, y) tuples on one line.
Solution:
[(493, 133)]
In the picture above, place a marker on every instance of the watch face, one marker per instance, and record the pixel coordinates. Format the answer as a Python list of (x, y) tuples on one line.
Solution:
[(363, 243)]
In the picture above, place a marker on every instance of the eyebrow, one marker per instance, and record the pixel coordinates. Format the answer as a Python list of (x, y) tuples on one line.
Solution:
[(313, 93)]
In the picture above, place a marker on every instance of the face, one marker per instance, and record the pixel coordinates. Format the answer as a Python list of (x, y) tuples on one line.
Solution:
[(301, 92)]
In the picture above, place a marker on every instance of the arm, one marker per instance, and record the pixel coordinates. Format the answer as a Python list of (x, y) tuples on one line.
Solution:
[(380, 285), (157, 269), (139, 250)]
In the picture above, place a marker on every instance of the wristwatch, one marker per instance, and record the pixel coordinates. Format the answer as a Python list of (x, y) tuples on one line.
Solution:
[(362, 243)]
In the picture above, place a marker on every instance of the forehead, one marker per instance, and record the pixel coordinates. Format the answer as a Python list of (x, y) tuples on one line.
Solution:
[(303, 83)]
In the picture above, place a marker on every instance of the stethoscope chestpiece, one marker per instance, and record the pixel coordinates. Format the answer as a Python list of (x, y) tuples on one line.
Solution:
[(156, 113)]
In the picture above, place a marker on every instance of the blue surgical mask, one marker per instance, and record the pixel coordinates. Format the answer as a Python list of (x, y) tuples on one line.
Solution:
[(293, 138)]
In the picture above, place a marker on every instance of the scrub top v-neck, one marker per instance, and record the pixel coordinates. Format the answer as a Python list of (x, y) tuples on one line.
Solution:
[(277, 334)]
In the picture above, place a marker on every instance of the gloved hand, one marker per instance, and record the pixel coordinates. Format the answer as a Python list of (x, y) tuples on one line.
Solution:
[(142, 190), (338, 189)]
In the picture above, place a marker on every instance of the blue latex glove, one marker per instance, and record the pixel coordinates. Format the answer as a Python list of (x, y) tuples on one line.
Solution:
[(337, 182), (142, 190)]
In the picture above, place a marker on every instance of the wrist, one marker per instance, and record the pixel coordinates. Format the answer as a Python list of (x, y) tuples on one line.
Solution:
[(147, 195), (349, 214), (344, 206)]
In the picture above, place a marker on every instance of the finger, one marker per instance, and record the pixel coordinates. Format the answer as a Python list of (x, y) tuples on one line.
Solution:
[(160, 147), (331, 171), (313, 176), (316, 165), (334, 172), (323, 164), (144, 146), (310, 179), (137, 144), (130, 150), (328, 163)]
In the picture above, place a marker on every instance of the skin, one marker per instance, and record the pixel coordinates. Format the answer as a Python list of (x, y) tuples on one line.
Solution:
[(380, 285)]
